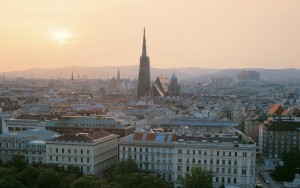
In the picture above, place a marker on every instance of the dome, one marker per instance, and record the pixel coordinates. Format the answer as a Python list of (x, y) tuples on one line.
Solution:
[(174, 77)]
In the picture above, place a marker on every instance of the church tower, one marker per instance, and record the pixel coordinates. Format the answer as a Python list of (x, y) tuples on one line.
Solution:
[(118, 75), (144, 72)]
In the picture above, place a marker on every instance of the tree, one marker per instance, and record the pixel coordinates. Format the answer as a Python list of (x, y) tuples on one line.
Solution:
[(10, 182), (48, 179), (139, 180), (83, 182), (28, 176), (18, 162), (197, 178), (127, 166), (290, 168)]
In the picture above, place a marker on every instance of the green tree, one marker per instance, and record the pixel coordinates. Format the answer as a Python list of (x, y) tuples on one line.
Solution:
[(48, 179), (10, 182), (139, 180), (18, 162), (290, 168), (127, 166), (28, 176), (197, 178), (68, 180)]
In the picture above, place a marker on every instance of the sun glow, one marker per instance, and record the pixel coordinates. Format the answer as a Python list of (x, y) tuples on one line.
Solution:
[(61, 36)]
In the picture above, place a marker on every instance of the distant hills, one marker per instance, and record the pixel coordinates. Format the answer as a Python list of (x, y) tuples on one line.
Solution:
[(194, 73)]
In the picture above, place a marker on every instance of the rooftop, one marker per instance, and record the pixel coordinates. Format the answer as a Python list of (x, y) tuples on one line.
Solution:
[(86, 137)]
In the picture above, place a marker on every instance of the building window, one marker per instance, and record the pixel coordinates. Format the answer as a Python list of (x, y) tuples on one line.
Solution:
[(179, 151), (56, 158), (188, 160), (234, 180), (229, 153), (187, 168), (235, 162), (244, 154), (179, 168), (88, 151), (62, 150), (81, 159), (218, 153), (199, 152), (244, 171), (223, 162), (188, 152), (50, 158), (141, 149), (123, 148), (69, 159), (223, 153), (88, 160), (229, 162), (88, 169), (75, 150), (222, 179), (194, 152), (229, 180), (229, 171), (218, 161), (217, 179), (235, 171), (56, 150), (81, 151), (179, 177), (223, 170), (69, 151), (211, 161), (194, 160), (179, 160)]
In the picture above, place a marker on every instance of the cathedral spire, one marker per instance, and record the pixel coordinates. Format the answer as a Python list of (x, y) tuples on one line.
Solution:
[(72, 77), (118, 75), (144, 52)]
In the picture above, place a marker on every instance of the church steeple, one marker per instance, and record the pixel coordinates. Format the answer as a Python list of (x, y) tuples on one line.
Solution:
[(144, 52), (118, 75), (144, 72), (72, 77)]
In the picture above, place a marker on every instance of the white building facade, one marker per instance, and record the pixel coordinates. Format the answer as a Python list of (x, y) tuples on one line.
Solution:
[(29, 143), (231, 159), (92, 152)]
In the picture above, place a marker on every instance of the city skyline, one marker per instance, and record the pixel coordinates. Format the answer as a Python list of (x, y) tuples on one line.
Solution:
[(202, 34)]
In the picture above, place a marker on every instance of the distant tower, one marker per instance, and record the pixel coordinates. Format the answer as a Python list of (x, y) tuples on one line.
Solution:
[(118, 76), (72, 77), (144, 72)]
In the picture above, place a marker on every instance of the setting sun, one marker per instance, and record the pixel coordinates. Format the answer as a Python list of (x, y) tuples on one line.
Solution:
[(61, 36)]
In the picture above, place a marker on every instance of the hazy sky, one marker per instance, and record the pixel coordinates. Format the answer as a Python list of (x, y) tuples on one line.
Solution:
[(202, 33)]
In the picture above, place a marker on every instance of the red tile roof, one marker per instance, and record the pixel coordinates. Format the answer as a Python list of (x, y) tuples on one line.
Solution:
[(138, 136), (151, 136), (276, 109)]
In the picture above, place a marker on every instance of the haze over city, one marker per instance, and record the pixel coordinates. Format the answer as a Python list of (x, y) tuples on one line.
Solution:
[(208, 34)]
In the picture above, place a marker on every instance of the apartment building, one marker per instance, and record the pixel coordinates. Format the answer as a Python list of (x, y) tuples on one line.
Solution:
[(93, 152), (231, 158)]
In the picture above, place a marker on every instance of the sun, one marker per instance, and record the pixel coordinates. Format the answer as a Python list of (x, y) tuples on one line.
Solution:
[(61, 36)]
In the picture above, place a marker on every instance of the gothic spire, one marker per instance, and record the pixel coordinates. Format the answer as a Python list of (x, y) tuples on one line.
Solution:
[(118, 75), (144, 52)]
